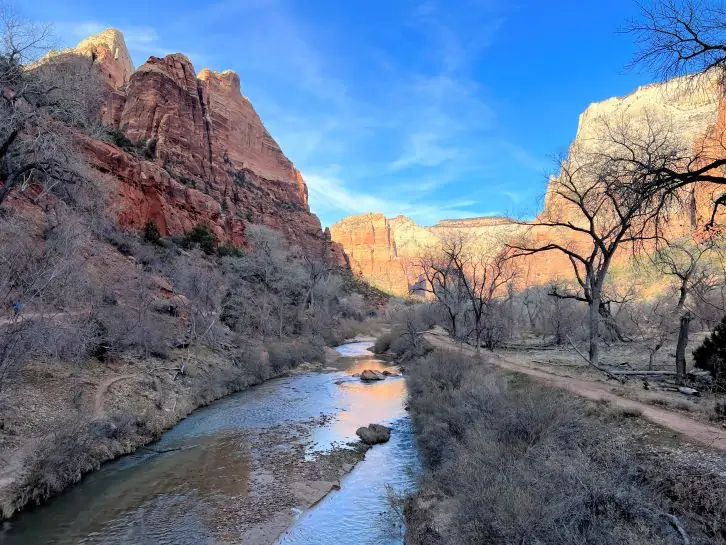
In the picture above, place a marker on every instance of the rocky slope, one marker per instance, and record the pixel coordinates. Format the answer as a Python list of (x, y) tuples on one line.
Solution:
[(197, 152), (384, 251)]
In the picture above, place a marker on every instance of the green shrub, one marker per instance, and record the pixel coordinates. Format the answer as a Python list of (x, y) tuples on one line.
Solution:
[(150, 149), (151, 232), (141, 147), (240, 178), (118, 138), (711, 355), (200, 237), (229, 250), (292, 206)]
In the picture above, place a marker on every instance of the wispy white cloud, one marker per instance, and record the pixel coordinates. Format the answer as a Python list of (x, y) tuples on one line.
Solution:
[(424, 149), (329, 194)]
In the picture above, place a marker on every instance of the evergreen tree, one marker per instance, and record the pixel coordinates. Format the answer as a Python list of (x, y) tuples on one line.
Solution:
[(711, 355), (151, 232)]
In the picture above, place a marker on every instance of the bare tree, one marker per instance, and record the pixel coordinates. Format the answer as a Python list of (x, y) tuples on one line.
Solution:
[(591, 215), (685, 37), (485, 282), (686, 260), (40, 107), (679, 37), (442, 279), (41, 275)]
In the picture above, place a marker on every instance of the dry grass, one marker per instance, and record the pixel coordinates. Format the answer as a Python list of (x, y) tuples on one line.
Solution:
[(512, 462)]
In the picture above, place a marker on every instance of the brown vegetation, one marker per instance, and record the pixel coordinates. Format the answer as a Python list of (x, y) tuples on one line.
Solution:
[(511, 462)]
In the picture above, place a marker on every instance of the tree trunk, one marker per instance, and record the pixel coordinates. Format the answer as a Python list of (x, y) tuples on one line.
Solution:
[(681, 346), (595, 329)]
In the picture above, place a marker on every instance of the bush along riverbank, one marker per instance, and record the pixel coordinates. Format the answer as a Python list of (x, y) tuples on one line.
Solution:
[(509, 461)]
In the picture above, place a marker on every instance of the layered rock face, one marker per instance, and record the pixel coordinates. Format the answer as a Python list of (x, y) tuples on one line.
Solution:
[(384, 251), (200, 154)]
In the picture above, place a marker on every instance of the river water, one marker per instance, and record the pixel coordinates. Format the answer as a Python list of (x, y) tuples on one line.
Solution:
[(177, 491)]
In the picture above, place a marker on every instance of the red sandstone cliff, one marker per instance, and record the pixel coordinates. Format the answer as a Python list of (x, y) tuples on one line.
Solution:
[(384, 251), (203, 155)]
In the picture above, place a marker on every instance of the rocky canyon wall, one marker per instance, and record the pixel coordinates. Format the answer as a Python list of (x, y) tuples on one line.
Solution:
[(385, 251), (196, 152)]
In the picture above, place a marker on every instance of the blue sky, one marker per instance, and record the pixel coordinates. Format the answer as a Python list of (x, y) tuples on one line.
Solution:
[(429, 108)]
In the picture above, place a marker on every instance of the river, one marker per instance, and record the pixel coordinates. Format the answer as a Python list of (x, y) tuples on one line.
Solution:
[(243, 470)]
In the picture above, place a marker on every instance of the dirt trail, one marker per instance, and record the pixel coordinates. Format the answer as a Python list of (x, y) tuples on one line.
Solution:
[(711, 436), (98, 411)]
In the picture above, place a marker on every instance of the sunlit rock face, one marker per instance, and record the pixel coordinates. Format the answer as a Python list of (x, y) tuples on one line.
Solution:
[(109, 52), (385, 251), (199, 152)]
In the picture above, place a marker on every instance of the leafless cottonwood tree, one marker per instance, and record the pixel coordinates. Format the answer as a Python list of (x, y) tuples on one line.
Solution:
[(685, 38), (485, 281), (680, 37), (40, 106), (595, 215), (440, 278), (688, 261), (470, 285)]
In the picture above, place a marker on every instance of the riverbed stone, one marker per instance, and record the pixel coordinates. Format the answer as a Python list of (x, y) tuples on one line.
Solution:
[(369, 376), (374, 434)]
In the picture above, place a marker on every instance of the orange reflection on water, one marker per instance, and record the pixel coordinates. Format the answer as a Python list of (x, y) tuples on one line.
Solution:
[(370, 403)]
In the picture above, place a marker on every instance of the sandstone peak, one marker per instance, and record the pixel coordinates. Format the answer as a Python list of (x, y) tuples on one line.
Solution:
[(109, 47), (227, 79), (176, 66)]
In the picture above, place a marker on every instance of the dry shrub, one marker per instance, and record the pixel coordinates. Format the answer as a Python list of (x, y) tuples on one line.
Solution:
[(519, 463), (696, 493), (289, 354), (383, 342), (74, 449)]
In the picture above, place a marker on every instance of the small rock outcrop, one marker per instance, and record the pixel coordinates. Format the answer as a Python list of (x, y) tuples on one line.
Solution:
[(374, 434), (371, 376)]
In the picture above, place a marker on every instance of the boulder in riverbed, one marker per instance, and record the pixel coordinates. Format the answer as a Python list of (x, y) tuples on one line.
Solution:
[(370, 376), (374, 434)]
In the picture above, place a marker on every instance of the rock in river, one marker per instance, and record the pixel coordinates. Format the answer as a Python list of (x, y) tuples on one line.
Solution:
[(374, 434), (370, 376)]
